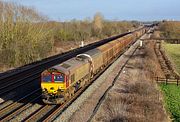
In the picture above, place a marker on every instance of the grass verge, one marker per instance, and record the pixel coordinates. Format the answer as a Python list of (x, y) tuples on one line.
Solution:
[(173, 51), (172, 100)]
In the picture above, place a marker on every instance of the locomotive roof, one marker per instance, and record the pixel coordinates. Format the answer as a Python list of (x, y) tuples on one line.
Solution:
[(68, 65), (74, 63)]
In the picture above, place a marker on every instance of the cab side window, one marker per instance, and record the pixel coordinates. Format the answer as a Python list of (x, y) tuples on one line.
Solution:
[(72, 78)]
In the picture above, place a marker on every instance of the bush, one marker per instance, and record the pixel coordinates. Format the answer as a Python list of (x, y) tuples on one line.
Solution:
[(86, 30), (170, 29), (24, 38)]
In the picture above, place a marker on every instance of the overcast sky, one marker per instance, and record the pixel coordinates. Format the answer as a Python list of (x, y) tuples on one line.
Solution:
[(143, 10)]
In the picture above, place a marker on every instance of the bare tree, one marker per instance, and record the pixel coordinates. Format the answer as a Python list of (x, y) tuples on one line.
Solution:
[(23, 36), (98, 22)]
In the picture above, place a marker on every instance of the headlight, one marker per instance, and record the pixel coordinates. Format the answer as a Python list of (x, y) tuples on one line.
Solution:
[(45, 89)]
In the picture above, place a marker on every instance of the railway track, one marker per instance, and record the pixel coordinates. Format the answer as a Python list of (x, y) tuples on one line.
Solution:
[(16, 91), (10, 81), (46, 112), (13, 109), (40, 113), (13, 85), (49, 112)]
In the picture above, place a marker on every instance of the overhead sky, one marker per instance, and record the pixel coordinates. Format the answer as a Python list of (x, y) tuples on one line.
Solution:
[(143, 10)]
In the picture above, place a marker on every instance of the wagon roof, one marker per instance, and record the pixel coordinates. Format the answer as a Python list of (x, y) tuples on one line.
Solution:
[(127, 36), (93, 52), (105, 47)]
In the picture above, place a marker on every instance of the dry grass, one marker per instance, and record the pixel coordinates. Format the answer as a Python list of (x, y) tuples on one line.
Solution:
[(136, 99), (136, 102), (173, 52)]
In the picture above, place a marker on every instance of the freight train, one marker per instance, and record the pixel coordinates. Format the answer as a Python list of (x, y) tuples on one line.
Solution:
[(60, 82)]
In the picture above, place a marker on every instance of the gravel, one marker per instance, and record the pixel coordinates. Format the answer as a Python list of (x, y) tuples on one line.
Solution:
[(21, 116)]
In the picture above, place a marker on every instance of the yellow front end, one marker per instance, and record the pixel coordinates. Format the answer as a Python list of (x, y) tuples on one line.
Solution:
[(52, 88)]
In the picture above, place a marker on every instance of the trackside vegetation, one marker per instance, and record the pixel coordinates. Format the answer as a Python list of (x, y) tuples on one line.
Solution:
[(23, 36), (170, 29), (172, 100)]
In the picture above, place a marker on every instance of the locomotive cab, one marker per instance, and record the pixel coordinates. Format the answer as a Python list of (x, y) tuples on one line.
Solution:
[(61, 81), (53, 81)]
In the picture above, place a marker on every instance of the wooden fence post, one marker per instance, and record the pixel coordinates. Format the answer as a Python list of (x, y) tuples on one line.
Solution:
[(177, 81), (166, 80)]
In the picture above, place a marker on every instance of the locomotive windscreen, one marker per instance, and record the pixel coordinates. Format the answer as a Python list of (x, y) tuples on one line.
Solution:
[(58, 78), (47, 78), (54, 78)]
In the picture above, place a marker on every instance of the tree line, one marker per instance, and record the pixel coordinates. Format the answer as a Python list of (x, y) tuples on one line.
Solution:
[(170, 29), (98, 27), (27, 36)]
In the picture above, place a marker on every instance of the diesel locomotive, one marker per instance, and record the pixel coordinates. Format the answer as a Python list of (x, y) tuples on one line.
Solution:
[(60, 82)]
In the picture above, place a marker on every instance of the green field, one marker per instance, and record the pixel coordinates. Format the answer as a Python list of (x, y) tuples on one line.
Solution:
[(172, 100), (173, 51)]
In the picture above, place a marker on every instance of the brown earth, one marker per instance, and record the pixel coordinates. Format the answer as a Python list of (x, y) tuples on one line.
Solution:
[(134, 96)]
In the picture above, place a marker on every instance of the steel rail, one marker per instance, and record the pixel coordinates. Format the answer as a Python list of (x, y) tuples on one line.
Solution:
[(17, 111), (16, 105)]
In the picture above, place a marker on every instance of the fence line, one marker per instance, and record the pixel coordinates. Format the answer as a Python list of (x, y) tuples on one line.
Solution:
[(168, 80)]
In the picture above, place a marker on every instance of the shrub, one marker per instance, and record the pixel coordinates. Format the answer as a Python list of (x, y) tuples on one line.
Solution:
[(170, 29), (24, 38)]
